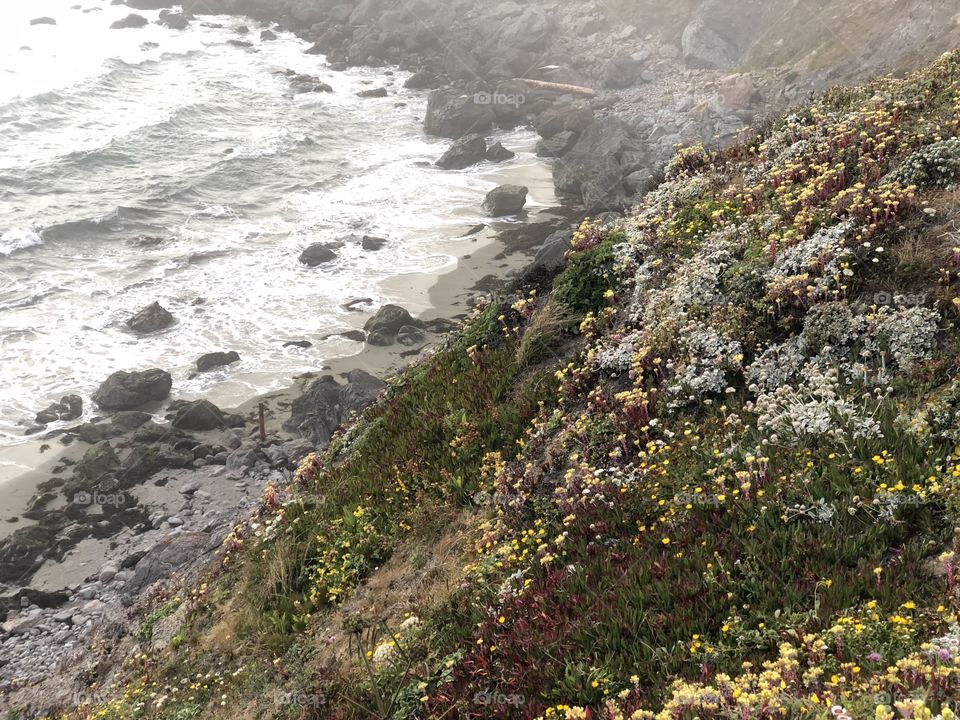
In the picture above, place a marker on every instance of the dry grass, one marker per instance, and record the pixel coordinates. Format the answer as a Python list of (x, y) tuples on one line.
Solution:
[(543, 333)]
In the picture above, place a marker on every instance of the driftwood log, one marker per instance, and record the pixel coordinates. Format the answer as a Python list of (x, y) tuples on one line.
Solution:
[(557, 87)]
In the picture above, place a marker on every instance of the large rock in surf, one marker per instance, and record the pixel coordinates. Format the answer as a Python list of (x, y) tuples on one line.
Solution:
[(317, 254), (505, 200), (130, 21), (129, 390), (153, 318), (70, 407), (213, 360), (452, 115), (465, 152), (498, 153), (173, 20)]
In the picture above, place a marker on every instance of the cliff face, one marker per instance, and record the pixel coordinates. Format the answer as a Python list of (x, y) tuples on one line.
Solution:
[(707, 470)]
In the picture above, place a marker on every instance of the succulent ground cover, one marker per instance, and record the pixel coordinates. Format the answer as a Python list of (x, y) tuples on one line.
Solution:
[(710, 471)]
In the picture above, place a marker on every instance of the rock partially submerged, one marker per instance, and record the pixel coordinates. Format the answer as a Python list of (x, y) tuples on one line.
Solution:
[(153, 318), (213, 360), (505, 200), (130, 390), (317, 254), (70, 407), (498, 153), (173, 20), (467, 151), (43, 21), (130, 21)]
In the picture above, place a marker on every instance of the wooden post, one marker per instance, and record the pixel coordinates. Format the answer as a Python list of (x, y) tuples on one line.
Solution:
[(263, 427)]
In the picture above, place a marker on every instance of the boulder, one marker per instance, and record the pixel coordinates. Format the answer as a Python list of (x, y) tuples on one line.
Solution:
[(371, 243), (640, 182), (153, 318), (563, 117), (70, 407), (388, 321), (166, 558), (498, 153), (422, 81), (452, 115), (557, 145), (505, 200), (119, 424), (622, 72), (173, 20), (214, 360), (379, 92), (268, 35), (43, 21), (552, 254), (467, 151), (129, 390), (301, 84), (592, 169), (325, 404), (317, 254), (130, 21), (410, 336), (202, 415), (22, 552), (98, 462), (145, 460)]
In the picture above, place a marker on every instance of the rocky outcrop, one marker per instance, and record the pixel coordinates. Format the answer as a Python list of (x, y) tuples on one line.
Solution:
[(153, 318), (43, 21), (505, 200), (592, 170), (452, 115), (467, 151), (557, 145), (130, 390), (325, 404)]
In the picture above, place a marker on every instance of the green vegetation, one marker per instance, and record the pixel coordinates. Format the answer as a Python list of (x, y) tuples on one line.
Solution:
[(712, 474)]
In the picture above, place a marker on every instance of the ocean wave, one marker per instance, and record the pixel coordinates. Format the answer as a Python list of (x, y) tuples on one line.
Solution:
[(18, 239), (121, 218)]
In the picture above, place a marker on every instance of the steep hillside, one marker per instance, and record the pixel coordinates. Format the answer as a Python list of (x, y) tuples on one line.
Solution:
[(709, 470)]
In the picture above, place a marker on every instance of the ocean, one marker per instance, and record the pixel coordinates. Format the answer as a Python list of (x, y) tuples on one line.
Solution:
[(151, 164)]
